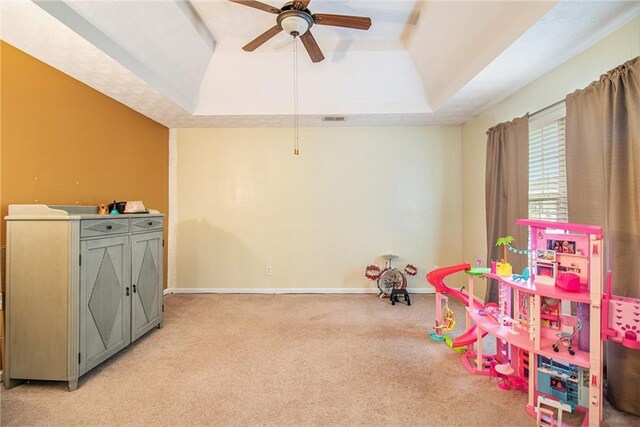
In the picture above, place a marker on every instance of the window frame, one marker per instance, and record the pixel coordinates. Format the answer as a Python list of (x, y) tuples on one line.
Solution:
[(547, 190)]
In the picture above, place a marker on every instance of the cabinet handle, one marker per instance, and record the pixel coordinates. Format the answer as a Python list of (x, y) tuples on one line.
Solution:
[(134, 288), (150, 223), (109, 227), (127, 289)]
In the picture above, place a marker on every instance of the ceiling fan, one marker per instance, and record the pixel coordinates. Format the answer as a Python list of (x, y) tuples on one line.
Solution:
[(297, 20)]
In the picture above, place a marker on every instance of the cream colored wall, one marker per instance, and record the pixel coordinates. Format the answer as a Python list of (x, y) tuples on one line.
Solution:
[(576, 73), (245, 202)]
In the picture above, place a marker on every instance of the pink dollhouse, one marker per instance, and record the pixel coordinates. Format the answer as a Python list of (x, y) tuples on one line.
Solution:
[(550, 326)]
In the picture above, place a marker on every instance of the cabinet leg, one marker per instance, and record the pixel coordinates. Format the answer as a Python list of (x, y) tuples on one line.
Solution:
[(10, 382), (160, 325), (73, 385)]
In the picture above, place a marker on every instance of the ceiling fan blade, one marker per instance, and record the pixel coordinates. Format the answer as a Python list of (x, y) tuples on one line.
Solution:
[(312, 47), (258, 41), (301, 4), (347, 21), (257, 5)]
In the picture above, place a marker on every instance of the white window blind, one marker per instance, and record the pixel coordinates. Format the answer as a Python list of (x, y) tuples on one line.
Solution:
[(547, 165)]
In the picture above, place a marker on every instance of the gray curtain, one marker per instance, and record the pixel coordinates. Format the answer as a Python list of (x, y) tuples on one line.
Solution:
[(603, 186), (507, 191)]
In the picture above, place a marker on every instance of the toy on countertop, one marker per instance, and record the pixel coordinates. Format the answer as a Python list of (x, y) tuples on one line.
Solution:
[(116, 208)]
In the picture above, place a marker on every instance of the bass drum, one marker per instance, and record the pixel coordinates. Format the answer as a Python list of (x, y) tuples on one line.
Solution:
[(389, 279)]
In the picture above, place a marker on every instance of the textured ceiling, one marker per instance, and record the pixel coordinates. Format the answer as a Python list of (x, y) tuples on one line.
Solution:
[(379, 77), (234, 25)]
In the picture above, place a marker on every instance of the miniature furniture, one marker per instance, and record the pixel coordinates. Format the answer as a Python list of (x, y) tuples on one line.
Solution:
[(566, 338), (80, 288), (518, 383), (492, 369), (553, 404), (504, 372), (544, 412)]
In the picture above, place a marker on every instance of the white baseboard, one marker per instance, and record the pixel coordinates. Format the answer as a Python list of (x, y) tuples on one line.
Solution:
[(286, 291)]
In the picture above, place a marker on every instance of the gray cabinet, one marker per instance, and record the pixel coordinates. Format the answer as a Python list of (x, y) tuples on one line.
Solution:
[(80, 288), (146, 280), (104, 299)]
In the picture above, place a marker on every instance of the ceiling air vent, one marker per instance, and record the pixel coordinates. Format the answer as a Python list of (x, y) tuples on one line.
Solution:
[(333, 119)]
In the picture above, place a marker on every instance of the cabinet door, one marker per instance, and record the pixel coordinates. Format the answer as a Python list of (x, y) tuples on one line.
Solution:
[(105, 307), (146, 270)]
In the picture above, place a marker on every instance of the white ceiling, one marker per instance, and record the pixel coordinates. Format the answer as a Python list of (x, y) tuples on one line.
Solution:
[(422, 62)]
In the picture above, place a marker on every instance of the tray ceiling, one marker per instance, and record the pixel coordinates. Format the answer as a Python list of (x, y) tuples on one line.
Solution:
[(422, 62)]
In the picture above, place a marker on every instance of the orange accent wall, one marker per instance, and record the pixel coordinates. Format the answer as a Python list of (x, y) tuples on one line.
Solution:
[(62, 142)]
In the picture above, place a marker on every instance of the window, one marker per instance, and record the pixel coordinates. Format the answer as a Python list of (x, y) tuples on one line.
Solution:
[(547, 165)]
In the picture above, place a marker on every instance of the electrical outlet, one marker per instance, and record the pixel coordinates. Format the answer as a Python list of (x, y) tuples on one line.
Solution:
[(268, 270)]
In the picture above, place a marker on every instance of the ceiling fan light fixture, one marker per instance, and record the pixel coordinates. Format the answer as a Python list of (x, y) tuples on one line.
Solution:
[(295, 22), (295, 25)]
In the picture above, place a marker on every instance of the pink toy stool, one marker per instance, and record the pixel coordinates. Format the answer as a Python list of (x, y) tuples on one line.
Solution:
[(518, 383), (492, 369), (504, 373)]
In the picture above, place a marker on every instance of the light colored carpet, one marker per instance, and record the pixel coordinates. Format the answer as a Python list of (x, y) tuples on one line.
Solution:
[(281, 360)]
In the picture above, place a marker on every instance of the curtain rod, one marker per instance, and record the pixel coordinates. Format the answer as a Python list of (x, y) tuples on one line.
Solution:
[(547, 107)]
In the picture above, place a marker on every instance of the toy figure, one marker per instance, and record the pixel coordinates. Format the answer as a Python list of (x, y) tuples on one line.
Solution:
[(566, 248)]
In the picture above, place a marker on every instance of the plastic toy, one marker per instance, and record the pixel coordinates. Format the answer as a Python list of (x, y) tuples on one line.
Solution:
[(448, 317), (372, 272), (566, 338), (550, 313), (524, 276), (532, 321), (568, 281), (503, 267), (462, 342), (541, 412), (447, 321), (390, 280), (620, 319)]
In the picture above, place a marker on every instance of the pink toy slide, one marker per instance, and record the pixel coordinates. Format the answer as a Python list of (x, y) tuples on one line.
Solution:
[(436, 279), (468, 338)]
